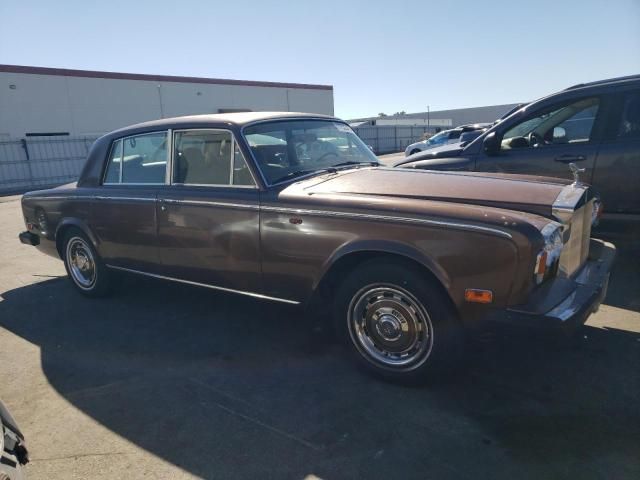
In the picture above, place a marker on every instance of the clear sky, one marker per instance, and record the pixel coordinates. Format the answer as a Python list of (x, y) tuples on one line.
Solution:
[(380, 55)]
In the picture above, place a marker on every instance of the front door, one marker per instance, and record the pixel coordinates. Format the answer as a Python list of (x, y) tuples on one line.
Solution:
[(547, 141), (617, 175), (209, 216)]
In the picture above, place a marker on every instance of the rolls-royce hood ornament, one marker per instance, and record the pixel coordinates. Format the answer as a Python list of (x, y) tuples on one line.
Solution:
[(576, 173)]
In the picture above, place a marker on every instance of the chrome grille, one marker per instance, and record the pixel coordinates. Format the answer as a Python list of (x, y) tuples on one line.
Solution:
[(576, 249)]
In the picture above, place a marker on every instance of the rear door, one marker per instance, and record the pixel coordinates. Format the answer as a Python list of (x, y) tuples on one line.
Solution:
[(209, 216), (123, 212), (546, 141), (617, 174)]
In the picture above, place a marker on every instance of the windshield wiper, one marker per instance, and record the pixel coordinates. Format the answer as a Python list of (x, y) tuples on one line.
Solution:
[(296, 173), (351, 162)]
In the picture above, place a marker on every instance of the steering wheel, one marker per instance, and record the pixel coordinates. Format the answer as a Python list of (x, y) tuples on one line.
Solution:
[(535, 139)]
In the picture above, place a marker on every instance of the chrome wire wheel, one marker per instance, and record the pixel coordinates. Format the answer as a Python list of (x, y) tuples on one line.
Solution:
[(81, 263), (390, 327)]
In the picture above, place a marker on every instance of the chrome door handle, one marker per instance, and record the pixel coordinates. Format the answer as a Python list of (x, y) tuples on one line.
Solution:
[(570, 158)]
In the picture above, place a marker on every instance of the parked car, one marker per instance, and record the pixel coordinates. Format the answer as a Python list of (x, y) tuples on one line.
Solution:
[(445, 137), (594, 125), (13, 452), (272, 206)]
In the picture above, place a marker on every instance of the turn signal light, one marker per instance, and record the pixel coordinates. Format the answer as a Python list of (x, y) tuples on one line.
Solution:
[(478, 296)]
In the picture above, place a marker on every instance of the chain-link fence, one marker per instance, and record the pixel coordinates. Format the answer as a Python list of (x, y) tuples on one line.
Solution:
[(391, 139), (37, 162)]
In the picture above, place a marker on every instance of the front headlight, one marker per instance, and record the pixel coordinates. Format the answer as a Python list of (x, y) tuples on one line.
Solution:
[(596, 213), (548, 259)]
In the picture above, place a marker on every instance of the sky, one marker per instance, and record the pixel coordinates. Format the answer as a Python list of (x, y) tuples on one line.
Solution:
[(380, 56)]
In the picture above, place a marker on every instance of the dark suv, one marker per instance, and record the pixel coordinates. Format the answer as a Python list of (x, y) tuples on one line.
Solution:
[(595, 126)]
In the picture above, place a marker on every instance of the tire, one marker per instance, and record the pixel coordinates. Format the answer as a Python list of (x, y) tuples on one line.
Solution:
[(85, 268), (397, 322), (415, 150)]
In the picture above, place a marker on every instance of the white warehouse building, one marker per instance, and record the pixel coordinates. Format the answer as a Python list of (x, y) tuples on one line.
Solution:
[(36, 101)]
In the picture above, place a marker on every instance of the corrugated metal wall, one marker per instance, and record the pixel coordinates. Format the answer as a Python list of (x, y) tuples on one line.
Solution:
[(390, 139), (38, 162)]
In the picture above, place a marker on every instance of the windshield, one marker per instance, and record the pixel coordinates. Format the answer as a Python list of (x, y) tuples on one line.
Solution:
[(438, 138), (289, 149)]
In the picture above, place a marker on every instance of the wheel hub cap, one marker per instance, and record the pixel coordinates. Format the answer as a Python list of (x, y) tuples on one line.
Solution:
[(390, 327), (81, 263), (387, 326)]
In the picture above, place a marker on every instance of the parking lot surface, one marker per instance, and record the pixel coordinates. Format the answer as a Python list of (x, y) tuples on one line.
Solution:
[(168, 381)]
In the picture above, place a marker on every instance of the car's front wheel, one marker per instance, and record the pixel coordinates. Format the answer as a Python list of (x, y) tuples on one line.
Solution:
[(84, 266), (397, 321), (415, 150)]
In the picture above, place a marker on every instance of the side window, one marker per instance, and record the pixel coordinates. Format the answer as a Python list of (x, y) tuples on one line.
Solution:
[(144, 158), (569, 123), (114, 164), (209, 157), (630, 123)]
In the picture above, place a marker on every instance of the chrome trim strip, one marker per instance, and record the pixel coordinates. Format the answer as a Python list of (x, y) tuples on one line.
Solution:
[(218, 185), (368, 216), (206, 285), (174, 201), (126, 199), (320, 213), (169, 170)]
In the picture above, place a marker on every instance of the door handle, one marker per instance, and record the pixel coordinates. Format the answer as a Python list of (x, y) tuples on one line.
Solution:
[(570, 158), (163, 205)]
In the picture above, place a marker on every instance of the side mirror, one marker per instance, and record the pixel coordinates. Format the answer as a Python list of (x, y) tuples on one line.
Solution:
[(559, 133), (491, 144)]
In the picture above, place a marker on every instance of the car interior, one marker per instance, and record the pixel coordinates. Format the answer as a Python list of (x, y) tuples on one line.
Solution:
[(569, 124)]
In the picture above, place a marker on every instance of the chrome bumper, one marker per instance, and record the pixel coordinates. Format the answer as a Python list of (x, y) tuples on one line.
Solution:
[(567, 303)]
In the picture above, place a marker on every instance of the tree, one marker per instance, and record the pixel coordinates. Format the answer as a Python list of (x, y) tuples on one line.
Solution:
[(382, 114)]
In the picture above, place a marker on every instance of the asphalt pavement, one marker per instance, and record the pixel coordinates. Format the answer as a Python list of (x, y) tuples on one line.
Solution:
[(169, 381)]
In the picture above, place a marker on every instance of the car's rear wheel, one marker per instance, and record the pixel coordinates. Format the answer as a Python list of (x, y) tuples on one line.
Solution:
[(84, 266), (397, 321)]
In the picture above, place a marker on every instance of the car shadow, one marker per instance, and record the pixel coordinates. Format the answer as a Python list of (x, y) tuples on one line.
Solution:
[(228, 387)]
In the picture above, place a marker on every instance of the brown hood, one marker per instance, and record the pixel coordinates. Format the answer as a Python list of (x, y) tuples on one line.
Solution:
[(514, 192)]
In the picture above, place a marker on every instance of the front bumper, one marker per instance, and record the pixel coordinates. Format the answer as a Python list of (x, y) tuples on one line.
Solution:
[(565, 304)]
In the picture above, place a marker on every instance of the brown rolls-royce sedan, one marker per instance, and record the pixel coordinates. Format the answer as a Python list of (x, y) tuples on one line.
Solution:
[(294, 208)]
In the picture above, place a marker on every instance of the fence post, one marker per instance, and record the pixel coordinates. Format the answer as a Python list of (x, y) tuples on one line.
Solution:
[(23, 141)]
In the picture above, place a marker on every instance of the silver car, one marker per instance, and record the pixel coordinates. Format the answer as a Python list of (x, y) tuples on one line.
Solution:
[(447, 136)]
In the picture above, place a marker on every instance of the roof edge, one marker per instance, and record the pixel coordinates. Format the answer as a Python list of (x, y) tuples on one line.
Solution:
[(66, 72)]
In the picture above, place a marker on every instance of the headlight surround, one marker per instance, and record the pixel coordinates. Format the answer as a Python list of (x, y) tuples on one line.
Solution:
[(548, 259), (596, 213)]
